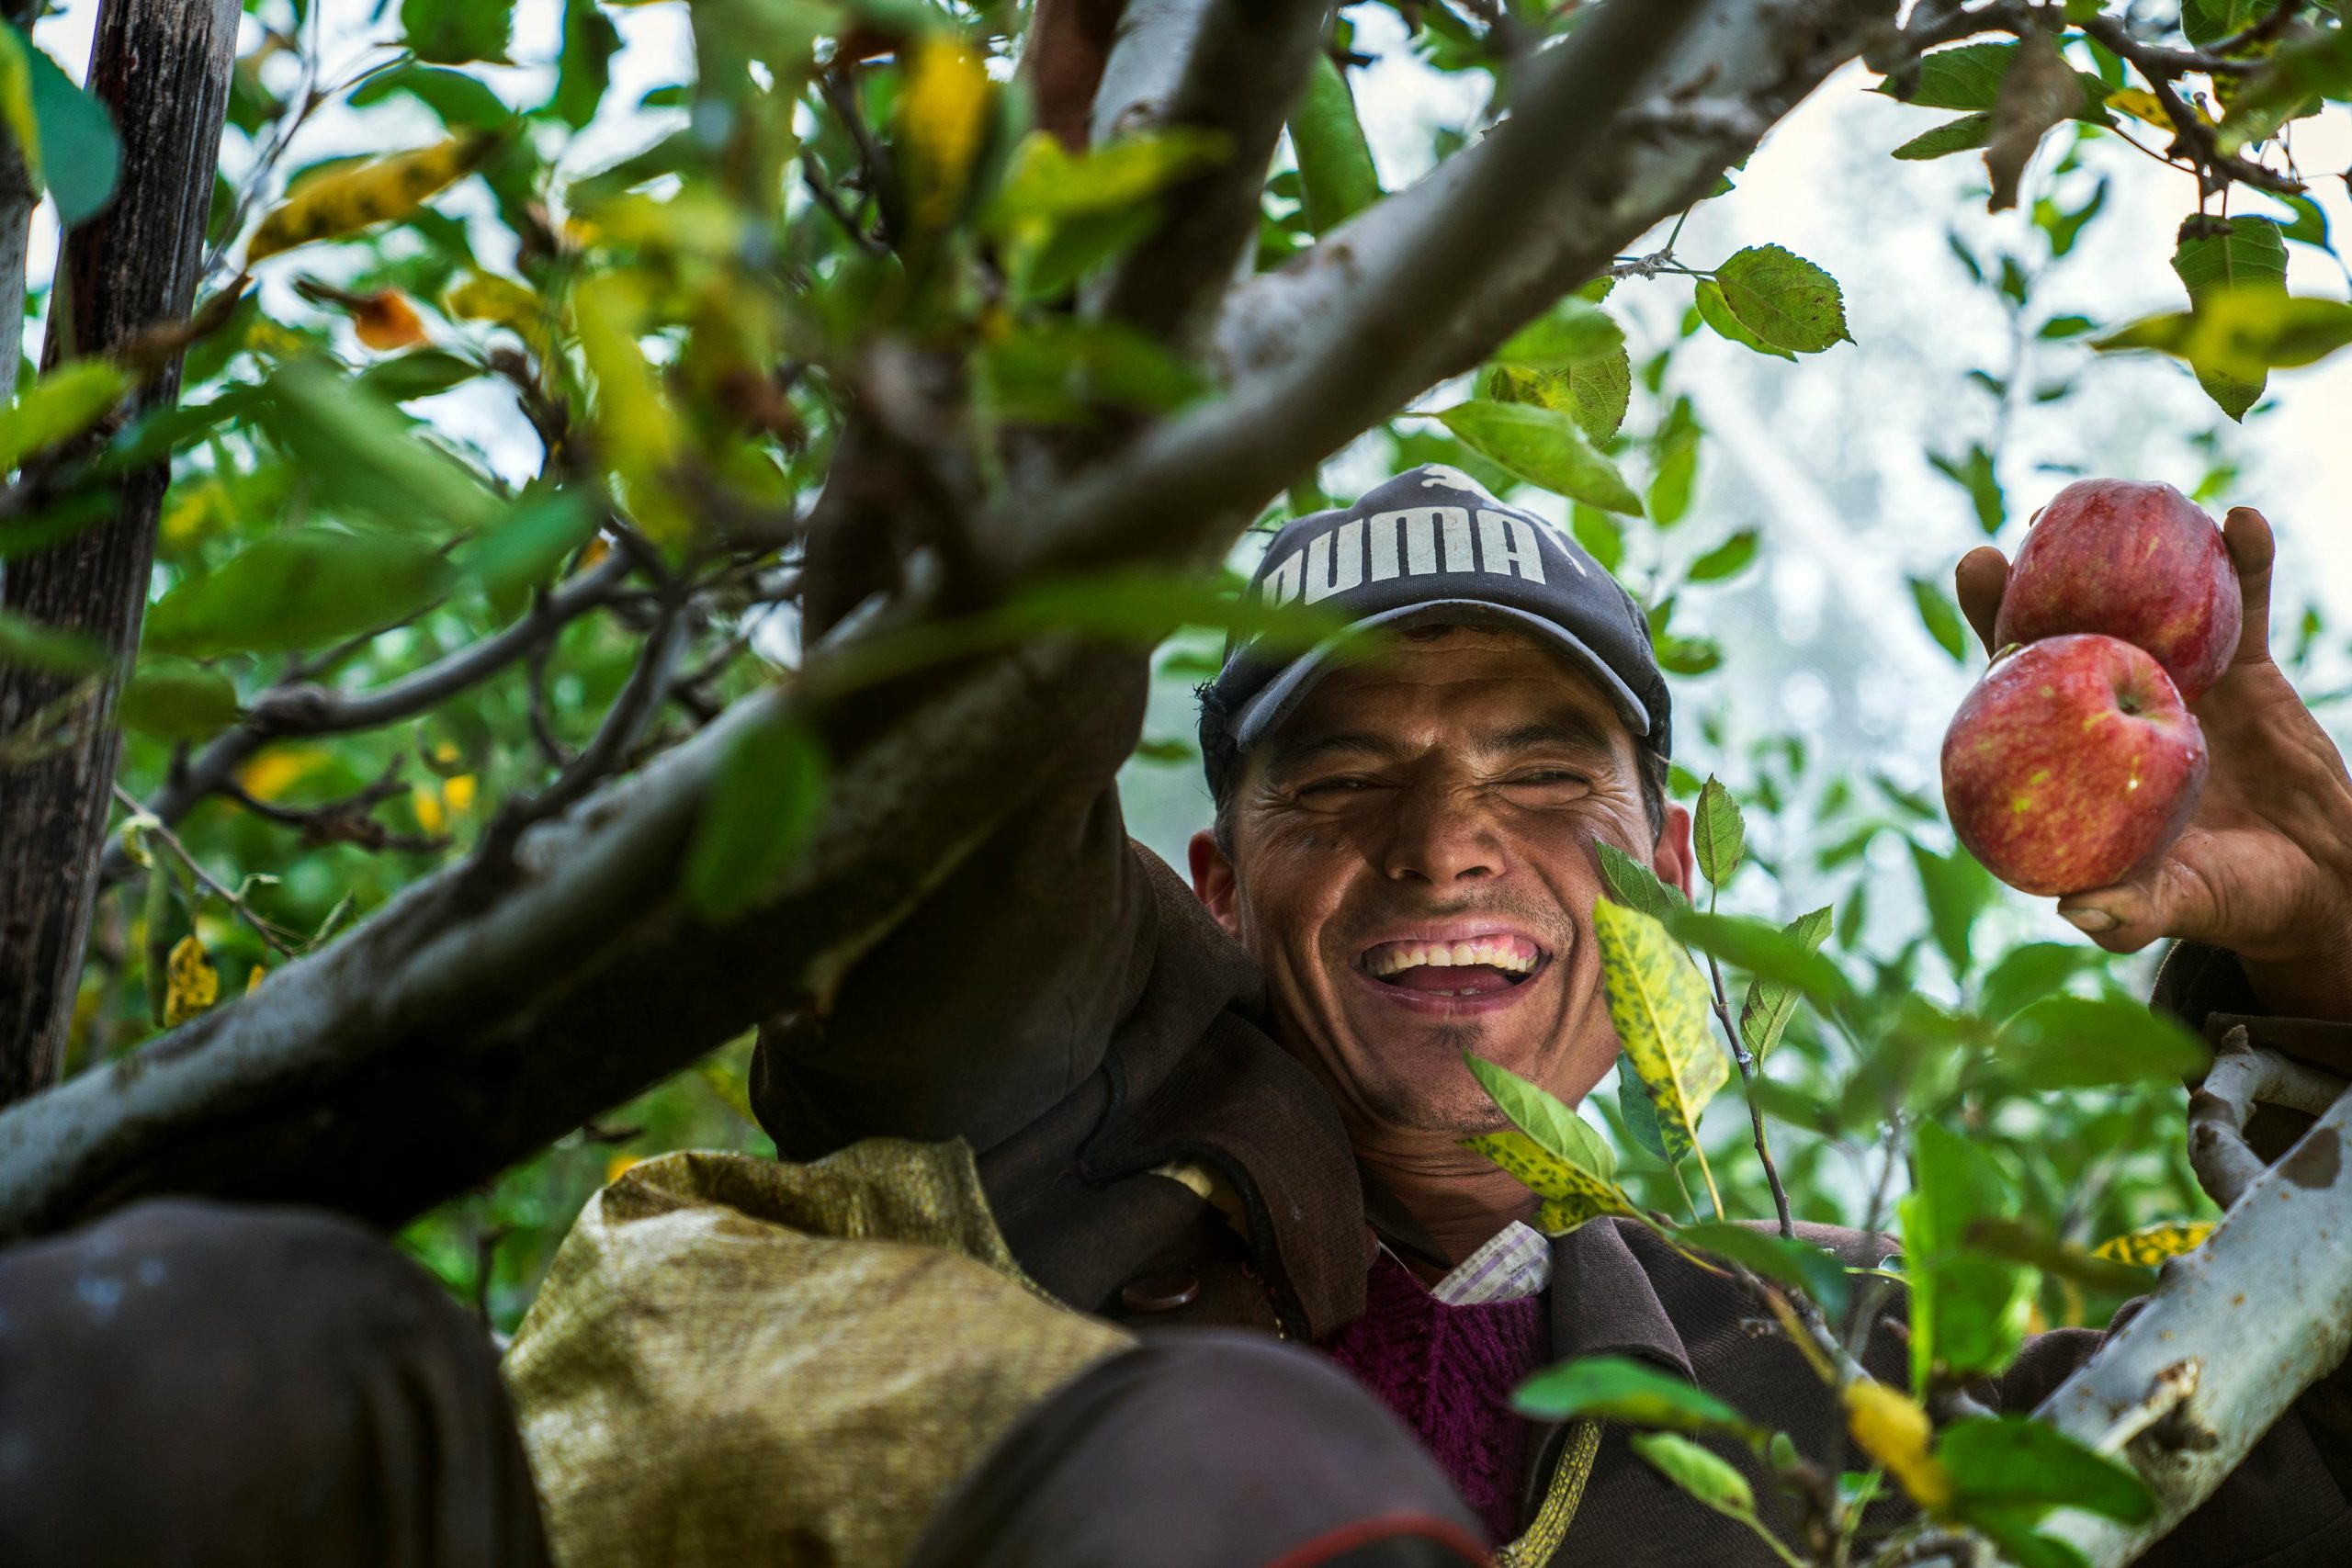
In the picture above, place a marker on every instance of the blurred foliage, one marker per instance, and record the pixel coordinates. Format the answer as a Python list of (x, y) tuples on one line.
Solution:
[(475, 370)]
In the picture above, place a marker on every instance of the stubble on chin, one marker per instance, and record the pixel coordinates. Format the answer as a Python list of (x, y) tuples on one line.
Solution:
[(1452, 1104)]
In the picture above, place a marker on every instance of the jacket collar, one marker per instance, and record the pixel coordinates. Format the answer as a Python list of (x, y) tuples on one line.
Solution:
[(1603, 1302)]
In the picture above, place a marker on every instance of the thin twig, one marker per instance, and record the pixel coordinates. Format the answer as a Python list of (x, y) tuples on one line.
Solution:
[(270, 934)]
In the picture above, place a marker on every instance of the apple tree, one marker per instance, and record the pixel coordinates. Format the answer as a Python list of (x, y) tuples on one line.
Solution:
[(393, 824)]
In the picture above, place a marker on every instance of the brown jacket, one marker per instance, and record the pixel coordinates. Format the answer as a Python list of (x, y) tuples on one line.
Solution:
[(1066, 1004)]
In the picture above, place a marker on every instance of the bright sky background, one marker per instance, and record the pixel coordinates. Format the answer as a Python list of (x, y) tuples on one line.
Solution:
[(1828, 456)]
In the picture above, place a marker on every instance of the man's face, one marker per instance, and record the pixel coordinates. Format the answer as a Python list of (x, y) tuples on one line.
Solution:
[(1414, 869)]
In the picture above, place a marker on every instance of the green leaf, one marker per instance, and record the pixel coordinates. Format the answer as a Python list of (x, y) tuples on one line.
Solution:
[(1553, 1124), (1676, 475), (2215, 256), (1808, 1267), (1047, 183), (1696, 1471), (1941, 616), (1976, 475), (1760, 947), (1965, 134), (2308, 225), (1543, 447), (2309, 66), (1632, 883), (2088, 1041), (2027, 1242), (462, 102), (584, 68), (1573, 333), (1968, 1313), (1727, 560), (765, 801), (59, 406), (2013, 1531), (529, 544), (2242, 333), (1599, 534), (171, 700), (362, 456), (1689, 655), (28, 645), (79, 150), (1957, 890), (1783, 298), (2017, 1460), (1969, 76), (1617, 1388), (2060, 328), (418, 375), (1639, 1113), (298, 590), (451, 32), (1717, 832), (1337, 180), (1059, 370), (1708, 295), (1658, 1003), (1764, 1014), (2031, 971)]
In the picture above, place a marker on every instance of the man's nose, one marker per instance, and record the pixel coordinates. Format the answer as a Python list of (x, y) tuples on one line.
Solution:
[(1441, 835)]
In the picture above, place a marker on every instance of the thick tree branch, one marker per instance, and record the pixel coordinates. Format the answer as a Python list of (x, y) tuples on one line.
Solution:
[(1217, 65), (2233, 1334)]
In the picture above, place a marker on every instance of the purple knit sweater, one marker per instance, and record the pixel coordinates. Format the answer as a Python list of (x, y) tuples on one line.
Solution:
[(1447, 1371)]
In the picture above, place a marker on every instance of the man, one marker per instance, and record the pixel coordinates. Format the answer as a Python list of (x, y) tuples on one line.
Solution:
[(1239, 1106)]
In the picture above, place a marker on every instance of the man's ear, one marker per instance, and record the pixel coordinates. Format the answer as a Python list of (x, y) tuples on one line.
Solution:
[(1672, 859), (1213, 880)]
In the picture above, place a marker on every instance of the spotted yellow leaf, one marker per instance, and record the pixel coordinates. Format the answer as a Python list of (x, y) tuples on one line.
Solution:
[(485, 297), (365, 195), (1658, 1003), (1572, 1193), (638, 433), (942, 116), (191, 984), (1895, 1430), (2151, 1245)]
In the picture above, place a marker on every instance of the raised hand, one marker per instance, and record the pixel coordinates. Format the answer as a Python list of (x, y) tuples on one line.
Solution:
[(2265, 866)]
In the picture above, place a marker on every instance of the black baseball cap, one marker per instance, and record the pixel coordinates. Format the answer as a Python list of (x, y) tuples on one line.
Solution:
[(1432, 546)]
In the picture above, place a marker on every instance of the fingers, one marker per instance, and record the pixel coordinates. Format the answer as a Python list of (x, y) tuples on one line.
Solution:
[(1978, 580), (2164, 901), (2252, 550)]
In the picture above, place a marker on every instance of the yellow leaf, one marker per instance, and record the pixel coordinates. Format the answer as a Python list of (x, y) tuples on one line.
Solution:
[(16, 102), (728, 1087), (253, 978), (387, 320), (376, 191), (191, 984), (60, 405), (501, 301), (943, 115), (1586, 1192), (268, 776), (2140, 105), (2151, 1245), (637, 432), (618, 1167), (1658, 1003), (1893, 1429), (426, 803), (457, 794)]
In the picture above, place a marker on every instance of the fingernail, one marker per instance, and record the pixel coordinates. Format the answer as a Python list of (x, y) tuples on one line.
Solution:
[(2091, 920)]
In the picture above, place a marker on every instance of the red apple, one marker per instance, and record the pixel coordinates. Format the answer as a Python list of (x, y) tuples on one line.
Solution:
[(2071, 764), (2132, 560)]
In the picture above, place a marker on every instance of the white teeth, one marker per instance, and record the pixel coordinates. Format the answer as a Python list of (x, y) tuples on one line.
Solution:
[(1503, 953)]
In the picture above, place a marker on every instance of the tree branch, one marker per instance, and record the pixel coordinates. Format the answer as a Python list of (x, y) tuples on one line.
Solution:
[(2183, 1391)]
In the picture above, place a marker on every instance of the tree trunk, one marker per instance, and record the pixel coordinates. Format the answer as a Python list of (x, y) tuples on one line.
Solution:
[(162, 69)]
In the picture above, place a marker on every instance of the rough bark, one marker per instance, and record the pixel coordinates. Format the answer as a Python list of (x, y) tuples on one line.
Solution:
[(438, 1043), (161, 67), (2232, 1335)]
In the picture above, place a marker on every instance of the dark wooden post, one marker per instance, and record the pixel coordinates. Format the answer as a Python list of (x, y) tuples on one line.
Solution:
[(162, 69)]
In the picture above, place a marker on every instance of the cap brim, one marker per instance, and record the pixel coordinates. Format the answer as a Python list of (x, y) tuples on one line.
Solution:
[(1279, 697)]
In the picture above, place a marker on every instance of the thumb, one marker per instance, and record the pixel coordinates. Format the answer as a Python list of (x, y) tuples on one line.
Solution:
[(2251, 551), (2166, 900)]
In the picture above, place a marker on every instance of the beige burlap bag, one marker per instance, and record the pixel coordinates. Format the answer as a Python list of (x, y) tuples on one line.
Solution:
[(739, 1362)]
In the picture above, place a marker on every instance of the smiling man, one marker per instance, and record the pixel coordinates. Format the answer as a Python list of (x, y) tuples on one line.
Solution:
[(1230, 1292)]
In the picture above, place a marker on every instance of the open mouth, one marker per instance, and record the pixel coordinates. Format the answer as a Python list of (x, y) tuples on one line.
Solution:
[(1489, 964)]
